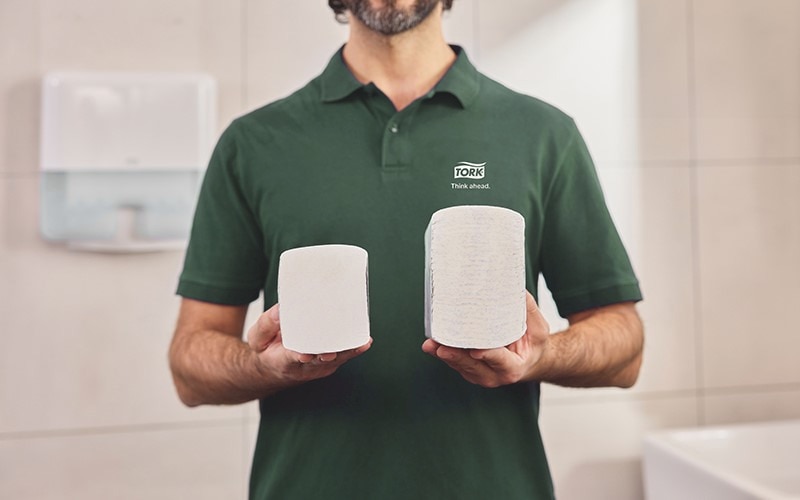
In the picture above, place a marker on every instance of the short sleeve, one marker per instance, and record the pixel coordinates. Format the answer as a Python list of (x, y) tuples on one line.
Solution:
[(225, 262), (583, 260)]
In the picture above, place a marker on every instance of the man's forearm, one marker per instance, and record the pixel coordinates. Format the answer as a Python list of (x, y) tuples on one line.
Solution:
[(597, 350), (211, 365), (214, 368)]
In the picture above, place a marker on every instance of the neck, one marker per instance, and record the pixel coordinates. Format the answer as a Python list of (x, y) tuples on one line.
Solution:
[(404, 66)]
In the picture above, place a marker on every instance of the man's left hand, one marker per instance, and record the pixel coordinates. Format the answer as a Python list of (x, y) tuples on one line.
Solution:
[(503, 365)]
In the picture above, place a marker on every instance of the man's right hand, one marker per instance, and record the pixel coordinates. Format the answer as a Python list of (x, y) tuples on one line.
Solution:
[(286, 367)]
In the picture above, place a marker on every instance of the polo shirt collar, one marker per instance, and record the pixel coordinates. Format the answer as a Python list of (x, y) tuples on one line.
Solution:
[(461, 80), (337, 80)]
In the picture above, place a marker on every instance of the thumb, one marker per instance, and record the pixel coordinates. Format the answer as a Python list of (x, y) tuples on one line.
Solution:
[(535, 319), (265, 329)]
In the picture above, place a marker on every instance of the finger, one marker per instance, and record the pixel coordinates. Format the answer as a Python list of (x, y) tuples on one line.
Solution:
[(455, 355), (430, 346), (530, 303), (329, 357), (305, 359), (349, 354), (265, 329), (364, 348), (535, 320), (461, 360), (475, 373), (499, 360), (302, 358)]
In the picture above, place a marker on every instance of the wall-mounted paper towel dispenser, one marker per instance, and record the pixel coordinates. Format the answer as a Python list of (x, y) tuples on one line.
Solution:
[(122, 157)]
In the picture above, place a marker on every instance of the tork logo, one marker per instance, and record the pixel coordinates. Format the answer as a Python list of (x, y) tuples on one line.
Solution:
[(467, 170)]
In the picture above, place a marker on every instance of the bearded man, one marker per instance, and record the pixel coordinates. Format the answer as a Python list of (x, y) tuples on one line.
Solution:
[(364, 155)]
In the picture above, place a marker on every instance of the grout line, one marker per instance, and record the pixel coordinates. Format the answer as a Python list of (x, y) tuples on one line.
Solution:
[(120, 429), (694, 210), (601, 163), (19, 175), (694, 162), (752, 389), (620, 397), (747, 162), (476, 31), (244, 75), (246, 458), (671, 394)]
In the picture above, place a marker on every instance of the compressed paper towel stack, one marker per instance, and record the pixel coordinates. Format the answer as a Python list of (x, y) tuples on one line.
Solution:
[(475, 277), (322, 291)]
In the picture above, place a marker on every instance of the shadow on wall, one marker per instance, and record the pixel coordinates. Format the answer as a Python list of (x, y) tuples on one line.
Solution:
[(20, 157), (620, 69), (508, 14), (22, 117)]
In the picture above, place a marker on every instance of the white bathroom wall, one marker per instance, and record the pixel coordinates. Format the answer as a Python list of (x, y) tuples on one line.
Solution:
[(691, 113), (690, 107), (86, 406)]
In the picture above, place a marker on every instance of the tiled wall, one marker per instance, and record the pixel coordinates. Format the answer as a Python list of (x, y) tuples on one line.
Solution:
[(690, 107)]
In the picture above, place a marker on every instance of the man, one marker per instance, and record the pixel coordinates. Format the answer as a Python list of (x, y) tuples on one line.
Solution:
[(363, 155)]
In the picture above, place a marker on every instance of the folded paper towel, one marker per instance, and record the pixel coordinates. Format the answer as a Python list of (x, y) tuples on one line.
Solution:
[(475, 277), (322, 291)]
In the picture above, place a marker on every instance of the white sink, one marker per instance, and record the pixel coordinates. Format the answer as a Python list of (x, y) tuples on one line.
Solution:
[(738, 462)]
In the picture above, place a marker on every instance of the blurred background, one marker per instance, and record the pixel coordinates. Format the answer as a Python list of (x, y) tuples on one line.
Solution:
[(691, 109)]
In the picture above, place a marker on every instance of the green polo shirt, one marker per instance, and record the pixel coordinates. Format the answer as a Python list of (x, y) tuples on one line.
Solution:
[(336, 163)]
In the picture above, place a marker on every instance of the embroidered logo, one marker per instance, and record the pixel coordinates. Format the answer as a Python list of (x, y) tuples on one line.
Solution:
[(467, 170)]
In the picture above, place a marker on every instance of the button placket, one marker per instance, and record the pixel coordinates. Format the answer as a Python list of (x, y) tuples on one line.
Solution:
[(396, 148), (393, 144)]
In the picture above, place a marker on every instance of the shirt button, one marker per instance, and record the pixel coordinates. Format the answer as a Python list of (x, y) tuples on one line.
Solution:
[(394, 128)]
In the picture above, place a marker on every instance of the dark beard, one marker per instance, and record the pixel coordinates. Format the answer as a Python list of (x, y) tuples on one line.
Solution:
[(391, 20)]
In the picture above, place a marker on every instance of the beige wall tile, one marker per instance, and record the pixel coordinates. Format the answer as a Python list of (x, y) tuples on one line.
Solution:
[(663, 88), (459, 27), (181, 35), (85, 335), (288, 44), (766, 404), (652, 210), (190, 462), (749, 242), (594, 448), (147, 35), (19, 88), (603, 63), (250, 437), (747, 67)]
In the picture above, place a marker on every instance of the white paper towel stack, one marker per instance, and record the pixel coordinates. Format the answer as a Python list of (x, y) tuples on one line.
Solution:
[(323, 296), (475, 277)]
